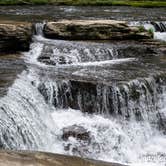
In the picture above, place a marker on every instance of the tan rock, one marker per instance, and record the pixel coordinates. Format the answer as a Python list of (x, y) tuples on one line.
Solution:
[(93, 30), (11, 158), (15, 36)]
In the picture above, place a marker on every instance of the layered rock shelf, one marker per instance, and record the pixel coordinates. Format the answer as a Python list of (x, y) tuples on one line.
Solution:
[(94, 30), (15, 36)]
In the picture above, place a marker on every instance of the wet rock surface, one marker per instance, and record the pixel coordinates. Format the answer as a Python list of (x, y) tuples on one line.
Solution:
[(77, 132), (15, 36), (93, 30)]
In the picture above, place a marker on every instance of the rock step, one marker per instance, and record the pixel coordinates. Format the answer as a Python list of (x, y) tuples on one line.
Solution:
[(94, 30)]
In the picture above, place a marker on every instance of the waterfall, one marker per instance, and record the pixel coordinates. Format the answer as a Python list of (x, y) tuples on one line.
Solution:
[(57, 52), (135, 97), (159, 26), (24, 121), (125, 119), (39, 28)]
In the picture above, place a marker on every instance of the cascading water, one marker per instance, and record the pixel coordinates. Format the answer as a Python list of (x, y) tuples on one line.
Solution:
[(128, 121), (62, 52), (39, 28), (23, 111)]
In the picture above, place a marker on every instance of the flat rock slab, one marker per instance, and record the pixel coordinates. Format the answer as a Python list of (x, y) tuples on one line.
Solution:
[(15, 36), (94, 30), (8, 158)]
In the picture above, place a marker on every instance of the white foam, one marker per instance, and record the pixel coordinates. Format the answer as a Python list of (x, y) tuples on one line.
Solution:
[(116, 140), (31, 57), (101, 63), (160, 35)]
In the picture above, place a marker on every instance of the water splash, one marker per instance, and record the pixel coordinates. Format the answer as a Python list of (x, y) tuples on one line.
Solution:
[(112, 139)]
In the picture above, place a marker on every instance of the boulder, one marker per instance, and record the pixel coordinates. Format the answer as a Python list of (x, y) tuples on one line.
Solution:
[(94, 30), (15, 36), (27, 158), (81, 135), (78, 132)]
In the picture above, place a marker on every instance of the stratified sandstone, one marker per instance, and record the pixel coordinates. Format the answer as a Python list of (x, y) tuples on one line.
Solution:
[(94, 30)]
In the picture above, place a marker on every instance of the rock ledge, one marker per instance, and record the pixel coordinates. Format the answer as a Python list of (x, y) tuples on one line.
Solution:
[(94, 30)]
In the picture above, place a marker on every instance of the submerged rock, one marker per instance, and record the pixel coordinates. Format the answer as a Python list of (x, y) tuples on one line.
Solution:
[(78, 132), (15, 36), (94, 30), (25, 158)]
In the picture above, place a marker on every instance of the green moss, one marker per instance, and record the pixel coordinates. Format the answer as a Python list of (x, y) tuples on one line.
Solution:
[(151, 32), (141, 29), (140, 3), (137, 3)]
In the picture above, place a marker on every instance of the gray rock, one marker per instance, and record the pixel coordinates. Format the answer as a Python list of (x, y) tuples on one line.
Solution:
[(78, 132)]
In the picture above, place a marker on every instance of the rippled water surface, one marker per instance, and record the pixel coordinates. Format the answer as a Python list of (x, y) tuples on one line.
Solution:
[(35, 13)]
